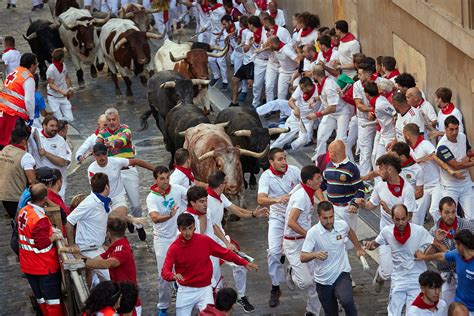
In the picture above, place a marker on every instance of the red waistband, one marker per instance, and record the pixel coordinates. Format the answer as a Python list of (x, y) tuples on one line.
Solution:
[(340, 204), (293, 237)]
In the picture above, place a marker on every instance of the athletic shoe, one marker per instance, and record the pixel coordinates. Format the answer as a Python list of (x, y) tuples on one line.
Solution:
[(308, 314), (141, 233), (213, 82), (8, 5), (275, 296), (242, 96), (233, 104), (377, 283), (244, 302), (131, 227), (162, 312), (225, 87), (13, 5), (289, 280), (353, 283)]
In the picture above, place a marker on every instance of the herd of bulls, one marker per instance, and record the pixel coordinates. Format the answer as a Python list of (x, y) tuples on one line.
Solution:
[(177, 85)]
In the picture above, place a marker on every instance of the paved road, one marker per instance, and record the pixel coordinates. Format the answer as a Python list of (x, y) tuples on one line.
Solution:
[(251, 234)]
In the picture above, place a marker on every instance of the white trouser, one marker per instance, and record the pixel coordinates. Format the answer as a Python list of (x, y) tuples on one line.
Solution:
[(461, 194), (302, 137), (385, 262), (448, 290), (164, 287), (342, 213), (188, 297), (365, 142), (275, 105), (160, 25), (98, 275), (218, 65), (401, 296), (260, 67), (329, 123), (351, 137), (239, 274), (302, 273), (204, 37), (276, 226), (12, 2), (132, 184), (37, 2), (271, 81), (284, 78), (61, 107), (429, 201)]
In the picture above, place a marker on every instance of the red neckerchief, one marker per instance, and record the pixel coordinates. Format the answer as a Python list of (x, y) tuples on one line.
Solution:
[(188, 172), (419, 103), (373, 100), (307, 96), (321, 85), (280, 46), (274, 14), (467, 260), (388, 96), (448, 109), (278, 173), (205, 6), (408, 162), (347, 38), (231, 28), (348, 96), (327, 55), (374, 76), (261, 4), (396, 189), (257, 35), (309, 191), (190, 209), (451, 230), (97, 131), (216, 6), (392, 74), (213, 193), (59, 66), (156, 189), (406, 234), (45, 135), (418, 141), (420, 303), (241, 31), (19, 146), (8, 49), (306, 31), (334, 44), (314, 58)]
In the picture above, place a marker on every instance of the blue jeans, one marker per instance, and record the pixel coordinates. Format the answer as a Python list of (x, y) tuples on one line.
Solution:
[(341, 290)]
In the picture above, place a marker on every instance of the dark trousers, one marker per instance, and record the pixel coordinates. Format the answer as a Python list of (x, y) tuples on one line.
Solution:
[(10, 207), (46, 288), (340, 291)]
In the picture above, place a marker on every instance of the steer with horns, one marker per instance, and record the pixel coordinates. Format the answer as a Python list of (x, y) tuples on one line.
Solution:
[(138, 14)]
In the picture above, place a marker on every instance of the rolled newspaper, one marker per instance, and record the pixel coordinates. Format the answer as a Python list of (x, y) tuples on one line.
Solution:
[(365, 265)]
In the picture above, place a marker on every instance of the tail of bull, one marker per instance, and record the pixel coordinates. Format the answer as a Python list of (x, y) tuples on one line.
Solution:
[(144, 120)]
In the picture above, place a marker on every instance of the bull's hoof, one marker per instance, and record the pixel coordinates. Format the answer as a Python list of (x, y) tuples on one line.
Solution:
[(82, 85)]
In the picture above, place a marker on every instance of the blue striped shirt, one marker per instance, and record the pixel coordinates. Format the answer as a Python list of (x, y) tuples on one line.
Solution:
[(342, 183)]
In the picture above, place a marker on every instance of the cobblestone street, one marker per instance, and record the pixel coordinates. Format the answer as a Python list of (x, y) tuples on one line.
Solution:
[(250, 233)]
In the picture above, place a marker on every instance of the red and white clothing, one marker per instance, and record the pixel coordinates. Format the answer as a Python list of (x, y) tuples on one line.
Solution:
[(286, 56), (348, 46), (183, 177), (428, 112), (328, 59), (392, 75), (59, 104), (449, 110), (279, 17), (275, 184), (404, 285), (413, 115), (218, 66), (11, 59), (440, 309), (113, 171), (384, 113), (209, 229), (307, 36)]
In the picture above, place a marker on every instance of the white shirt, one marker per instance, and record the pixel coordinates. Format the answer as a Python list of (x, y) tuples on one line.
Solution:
[(413, 174), (330, 96), (12, 60), (275, 186), (346, 51), (91, 220), (216, 16), (286, 56), (319, 238), (311, 38), (447, 151), (27, 161), (215, 209), (308, 65), (113, 170), (430, 168), (280, 17), (427, 108), (30, 89), (155, 202), (59, 79), (442, 117), (246, 36), (413, 115), (440, 311), (334, 56), (385, 115), (301, 201), (209, 229), (405, 269), (86, 146), (382, 193), (359, 93), (178, 177), (301, 103)]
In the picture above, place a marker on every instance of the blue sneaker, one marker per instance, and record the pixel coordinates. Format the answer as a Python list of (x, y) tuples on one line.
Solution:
[(242, 96), (162, 312)]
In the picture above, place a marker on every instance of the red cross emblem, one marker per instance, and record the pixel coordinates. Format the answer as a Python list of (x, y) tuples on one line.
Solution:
[(10, 78), (22, 220)]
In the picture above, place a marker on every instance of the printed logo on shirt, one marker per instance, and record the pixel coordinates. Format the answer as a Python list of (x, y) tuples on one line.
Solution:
[(168, 205), (119, 248), (343, 178), (469, 275), (338, 237)]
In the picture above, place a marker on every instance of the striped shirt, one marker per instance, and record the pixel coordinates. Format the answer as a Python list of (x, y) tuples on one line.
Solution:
[(342, 182), (121, 139)]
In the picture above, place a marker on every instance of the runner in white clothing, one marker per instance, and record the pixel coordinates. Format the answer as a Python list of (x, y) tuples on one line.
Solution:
[(405, 114), (164, 203), (443, 97), (415, 99), (59, 87), (274, 187), (183, 174), (348, 46), (197, 207), (328, 57), (86, 148), (428, 302)]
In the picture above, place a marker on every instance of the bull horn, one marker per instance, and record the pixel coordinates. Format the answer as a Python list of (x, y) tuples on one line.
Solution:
[(277, 130), (200, 81), (245, 152), (54, 25), (223, 124), (66, 26), (120, 43), (168, 84), (98, 21), (221, 54), (152, 10), (129, 15), (154, 35), (175, 60), (30, 37), (183, 133), (206, 155), (243, 132)]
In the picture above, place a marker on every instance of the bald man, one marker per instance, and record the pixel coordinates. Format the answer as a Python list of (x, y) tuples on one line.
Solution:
[(86, 148), (342, 183), (415, 99)]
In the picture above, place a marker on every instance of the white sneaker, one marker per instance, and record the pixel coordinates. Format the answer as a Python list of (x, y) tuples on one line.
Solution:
[(289, 280)]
